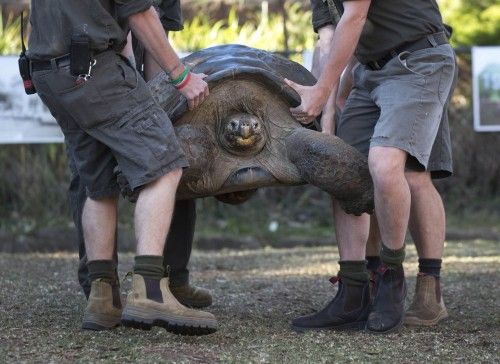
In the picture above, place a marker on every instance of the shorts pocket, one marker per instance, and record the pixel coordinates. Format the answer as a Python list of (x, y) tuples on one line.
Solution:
[(411, 67), (154, 134), (424, 62), (119, 80)]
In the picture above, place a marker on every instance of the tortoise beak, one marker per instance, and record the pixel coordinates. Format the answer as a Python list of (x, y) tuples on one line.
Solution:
[(245, 131)]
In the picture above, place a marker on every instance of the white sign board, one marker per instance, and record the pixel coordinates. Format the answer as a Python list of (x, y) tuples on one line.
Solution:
[(486, 88), (23, 118)]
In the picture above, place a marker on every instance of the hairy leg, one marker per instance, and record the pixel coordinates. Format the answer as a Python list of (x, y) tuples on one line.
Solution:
[(427, 216), (373, 243), (153, 213), (392, 194), (99, 227), (351, 232)]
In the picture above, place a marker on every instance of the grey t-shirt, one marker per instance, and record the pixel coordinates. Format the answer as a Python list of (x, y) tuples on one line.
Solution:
[(391, 23), (103, 21)]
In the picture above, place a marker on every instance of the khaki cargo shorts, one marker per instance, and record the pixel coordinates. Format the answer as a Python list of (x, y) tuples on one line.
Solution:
[(111, 120), (404, 105)]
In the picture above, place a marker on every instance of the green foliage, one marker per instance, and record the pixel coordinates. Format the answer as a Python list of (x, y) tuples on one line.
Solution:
[(264, 31), (475, 22), (33, 183), (10, 38)]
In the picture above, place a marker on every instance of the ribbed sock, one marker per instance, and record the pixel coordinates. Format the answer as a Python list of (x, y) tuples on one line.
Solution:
[(102, 269), (149, 266), (430, 267), (373, 262), (353, 272), (392, 258)]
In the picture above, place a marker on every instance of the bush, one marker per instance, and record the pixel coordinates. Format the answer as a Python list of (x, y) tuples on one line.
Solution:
[(10, 38), (475, 22), (264, 31)]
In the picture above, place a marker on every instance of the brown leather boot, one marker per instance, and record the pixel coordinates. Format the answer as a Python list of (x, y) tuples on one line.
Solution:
[(192, 296), (150, 303), (104, 310), (427, 308)]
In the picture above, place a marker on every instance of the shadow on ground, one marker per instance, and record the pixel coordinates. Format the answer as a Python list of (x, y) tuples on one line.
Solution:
[(257, 293)]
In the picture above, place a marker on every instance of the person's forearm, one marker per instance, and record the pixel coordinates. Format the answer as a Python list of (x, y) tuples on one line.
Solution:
[(328, 115), (323, 49), (149, 31), (344, 43), (345, 84)]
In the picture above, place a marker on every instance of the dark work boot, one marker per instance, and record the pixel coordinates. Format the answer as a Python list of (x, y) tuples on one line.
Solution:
[(373, 285), (348, 310), (387, 311), (192, 296)]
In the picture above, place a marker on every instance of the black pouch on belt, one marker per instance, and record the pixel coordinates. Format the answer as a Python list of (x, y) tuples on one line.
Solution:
[(79, 55), (24, 64)]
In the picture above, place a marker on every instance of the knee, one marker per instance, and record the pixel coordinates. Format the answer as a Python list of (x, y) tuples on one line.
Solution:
[(385, 168), (419, 182), (174, 175)]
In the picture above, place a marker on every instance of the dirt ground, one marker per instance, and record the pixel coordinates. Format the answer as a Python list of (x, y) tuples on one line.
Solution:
[(257, 293)]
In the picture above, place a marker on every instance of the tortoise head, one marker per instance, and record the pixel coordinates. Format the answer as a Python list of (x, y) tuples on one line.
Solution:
[(242, 134)]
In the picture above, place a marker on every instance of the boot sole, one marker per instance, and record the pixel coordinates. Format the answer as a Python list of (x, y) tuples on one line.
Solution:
[(360, 325), (392, 330), (99, 322), (415, 321), (146, 319)]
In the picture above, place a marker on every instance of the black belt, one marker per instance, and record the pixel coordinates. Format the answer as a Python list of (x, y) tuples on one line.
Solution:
[(432, 40), (59, 62), (47, 65)]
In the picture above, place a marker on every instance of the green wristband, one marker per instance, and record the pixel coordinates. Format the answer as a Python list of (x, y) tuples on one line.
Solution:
[(181, 77)]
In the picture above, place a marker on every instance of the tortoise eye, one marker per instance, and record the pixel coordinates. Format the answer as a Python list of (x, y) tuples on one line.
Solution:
[(233, 124)]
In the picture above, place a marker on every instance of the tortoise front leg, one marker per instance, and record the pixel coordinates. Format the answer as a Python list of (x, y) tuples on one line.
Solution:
[(327, 162)]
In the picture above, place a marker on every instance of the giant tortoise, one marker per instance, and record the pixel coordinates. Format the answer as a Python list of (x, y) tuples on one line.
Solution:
[(243, 136)]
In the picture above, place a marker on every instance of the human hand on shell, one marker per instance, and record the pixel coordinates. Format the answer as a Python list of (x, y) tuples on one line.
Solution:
[(313, 100)]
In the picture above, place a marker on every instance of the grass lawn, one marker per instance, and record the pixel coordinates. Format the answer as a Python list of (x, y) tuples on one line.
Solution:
[(257, 293)]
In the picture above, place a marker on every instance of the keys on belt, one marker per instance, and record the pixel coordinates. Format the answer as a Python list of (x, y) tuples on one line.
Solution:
[(85, 77)]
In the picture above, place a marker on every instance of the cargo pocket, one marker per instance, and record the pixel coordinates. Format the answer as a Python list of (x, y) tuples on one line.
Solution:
[(154, 135), (81, 101)]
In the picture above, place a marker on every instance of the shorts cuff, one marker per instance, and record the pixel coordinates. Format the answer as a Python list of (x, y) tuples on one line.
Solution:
[(112, 191), (171, 26), (180, 162), (385, 142), (317, 26)]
